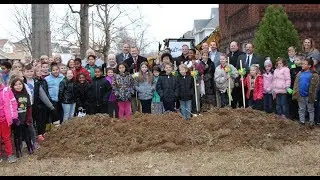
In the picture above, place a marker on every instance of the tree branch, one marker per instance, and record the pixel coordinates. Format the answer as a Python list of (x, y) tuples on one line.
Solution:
[(73, 10)]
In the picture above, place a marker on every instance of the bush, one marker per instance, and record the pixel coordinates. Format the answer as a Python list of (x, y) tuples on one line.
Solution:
[(275, 34)]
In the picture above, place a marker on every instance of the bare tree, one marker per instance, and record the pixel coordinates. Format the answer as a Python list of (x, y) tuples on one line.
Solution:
[(70, 26), (41, 34), (137, 38), (111, 15), (22, 19), (84, 27)]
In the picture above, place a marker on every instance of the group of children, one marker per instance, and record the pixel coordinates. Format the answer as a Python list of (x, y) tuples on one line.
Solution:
[(38, 93)]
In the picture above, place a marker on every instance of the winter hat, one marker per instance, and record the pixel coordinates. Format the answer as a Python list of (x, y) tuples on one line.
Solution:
[(267, 63)]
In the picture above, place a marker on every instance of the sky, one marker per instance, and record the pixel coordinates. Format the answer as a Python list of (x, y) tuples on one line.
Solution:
[(165, 20)]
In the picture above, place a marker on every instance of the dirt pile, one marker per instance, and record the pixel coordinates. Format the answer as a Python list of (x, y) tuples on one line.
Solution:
[(217, 130)]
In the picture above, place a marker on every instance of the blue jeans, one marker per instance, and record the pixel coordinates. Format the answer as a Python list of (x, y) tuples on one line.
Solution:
[(185, 108), (267, 103), (282, 104), (68, 111), (254, 104)]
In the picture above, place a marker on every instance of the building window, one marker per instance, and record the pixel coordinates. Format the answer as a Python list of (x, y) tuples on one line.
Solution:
[(7, 50)]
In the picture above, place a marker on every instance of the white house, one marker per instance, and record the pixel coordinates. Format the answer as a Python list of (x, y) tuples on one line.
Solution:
[(204, 27)]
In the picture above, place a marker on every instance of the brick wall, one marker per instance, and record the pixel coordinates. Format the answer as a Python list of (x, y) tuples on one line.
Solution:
[(242, 20)]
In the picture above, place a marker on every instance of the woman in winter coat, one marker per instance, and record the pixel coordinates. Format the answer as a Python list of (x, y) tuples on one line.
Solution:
[(209, 98)]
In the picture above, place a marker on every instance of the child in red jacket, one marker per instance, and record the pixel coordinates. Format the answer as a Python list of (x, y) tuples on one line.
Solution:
[(254, 84)]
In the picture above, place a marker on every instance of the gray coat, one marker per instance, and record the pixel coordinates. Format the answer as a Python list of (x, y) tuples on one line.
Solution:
[(220, 78), (145, 90)]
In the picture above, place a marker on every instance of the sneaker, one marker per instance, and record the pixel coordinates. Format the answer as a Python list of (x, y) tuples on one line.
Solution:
[(302, 123), (1, 160), (12, 159), (36, 146), (40, 138), (312, 125), (283, 117), (24, 145)]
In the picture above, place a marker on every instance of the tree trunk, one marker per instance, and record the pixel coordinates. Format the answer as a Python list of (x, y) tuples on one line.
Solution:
[(84, 29), (41, 34)]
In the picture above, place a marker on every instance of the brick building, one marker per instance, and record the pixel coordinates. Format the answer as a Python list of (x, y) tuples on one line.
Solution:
[(238, 22)]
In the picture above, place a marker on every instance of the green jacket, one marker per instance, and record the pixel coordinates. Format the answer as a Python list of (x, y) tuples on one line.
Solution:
[(156, 97), (91, 70), (291, 65)]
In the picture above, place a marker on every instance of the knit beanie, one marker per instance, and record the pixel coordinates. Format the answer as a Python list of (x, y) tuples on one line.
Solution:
[(267, 63)]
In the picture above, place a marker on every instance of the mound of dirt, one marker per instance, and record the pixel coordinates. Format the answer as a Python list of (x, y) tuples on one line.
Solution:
[(217, 130)]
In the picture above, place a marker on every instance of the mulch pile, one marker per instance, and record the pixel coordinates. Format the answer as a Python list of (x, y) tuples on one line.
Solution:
[(218, 130)]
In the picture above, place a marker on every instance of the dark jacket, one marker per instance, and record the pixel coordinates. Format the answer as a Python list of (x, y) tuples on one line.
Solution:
[(104, 69), (67, 91), (185, 86), (133, 66), (167, 88), (24, 106), (120, 57), (256, 59), (180, 59), (99, 91), (82, 94), (293, 75), (37, 102), (208, 77), (233, 58)]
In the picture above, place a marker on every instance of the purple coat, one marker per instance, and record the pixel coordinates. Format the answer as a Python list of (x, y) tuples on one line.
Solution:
[(112, 97)]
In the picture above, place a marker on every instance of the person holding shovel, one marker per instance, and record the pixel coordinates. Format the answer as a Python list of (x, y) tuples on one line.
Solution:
[(222, 74)]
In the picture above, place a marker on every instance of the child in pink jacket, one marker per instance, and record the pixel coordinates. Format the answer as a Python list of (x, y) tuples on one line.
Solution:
[(280, 86), (8, 115), (267, 82)]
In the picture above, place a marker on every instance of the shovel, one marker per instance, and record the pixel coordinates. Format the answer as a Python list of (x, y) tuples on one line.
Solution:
[(194, 115)]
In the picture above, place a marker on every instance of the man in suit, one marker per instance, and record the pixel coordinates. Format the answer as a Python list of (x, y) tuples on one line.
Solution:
[(214, 54), (249, 58), (133, 62), (237, 90), (124, 55)]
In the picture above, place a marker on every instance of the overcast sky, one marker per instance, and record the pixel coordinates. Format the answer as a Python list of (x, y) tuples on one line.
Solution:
[(165, 20)]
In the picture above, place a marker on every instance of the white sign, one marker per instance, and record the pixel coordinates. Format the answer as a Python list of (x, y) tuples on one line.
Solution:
[(176, 47)]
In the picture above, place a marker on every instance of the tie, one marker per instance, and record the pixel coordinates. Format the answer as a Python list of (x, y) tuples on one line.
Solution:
[(125, 56), (248, 59), (135, 64)]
